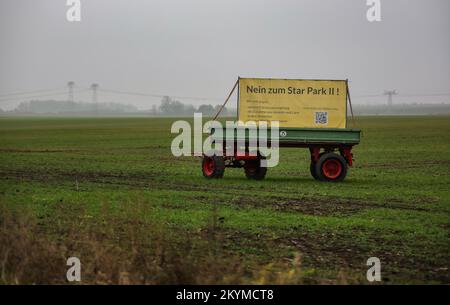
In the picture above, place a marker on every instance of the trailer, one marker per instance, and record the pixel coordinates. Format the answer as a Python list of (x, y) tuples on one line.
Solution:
[(330, 148)]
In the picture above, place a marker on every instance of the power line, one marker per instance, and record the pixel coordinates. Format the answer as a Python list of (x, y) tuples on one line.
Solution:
[(28, 92), (371, 95), (405, 95), (423, 95), (36, 96), (161, 95), (70, 85)]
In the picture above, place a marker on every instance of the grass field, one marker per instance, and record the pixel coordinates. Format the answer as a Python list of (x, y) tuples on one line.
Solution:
[(109, 191)]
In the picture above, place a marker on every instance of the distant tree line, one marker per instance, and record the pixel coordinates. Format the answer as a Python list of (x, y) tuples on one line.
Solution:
[(401, 109), (173, 107), (69, 107), (167, 107)]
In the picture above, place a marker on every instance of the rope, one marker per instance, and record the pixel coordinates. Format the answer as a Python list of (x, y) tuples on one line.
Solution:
[(350, 103), (226, 101)]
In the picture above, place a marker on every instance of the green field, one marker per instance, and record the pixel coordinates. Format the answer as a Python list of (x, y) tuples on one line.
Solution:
[(109, 191)]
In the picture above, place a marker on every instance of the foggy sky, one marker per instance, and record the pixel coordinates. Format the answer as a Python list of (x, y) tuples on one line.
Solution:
[(198, 48)]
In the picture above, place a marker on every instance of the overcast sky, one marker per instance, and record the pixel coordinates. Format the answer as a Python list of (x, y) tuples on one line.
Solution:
[(199, 48)]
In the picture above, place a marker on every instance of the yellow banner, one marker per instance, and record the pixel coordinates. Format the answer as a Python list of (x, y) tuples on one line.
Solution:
[(295, 103)]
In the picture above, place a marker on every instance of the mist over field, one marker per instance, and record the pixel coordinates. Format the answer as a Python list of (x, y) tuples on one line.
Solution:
[(193, 51)]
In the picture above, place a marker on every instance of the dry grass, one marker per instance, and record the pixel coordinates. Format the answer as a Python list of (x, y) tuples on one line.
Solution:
[(25, 256), (121, 247)]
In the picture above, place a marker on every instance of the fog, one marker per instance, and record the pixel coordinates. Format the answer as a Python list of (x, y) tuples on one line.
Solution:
[(198, 48)]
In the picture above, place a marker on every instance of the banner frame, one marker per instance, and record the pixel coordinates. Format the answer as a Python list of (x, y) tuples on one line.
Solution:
[(347, 91)]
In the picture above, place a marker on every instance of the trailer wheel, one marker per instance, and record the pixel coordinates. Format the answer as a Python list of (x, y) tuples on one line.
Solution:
[(213, 167), (312, 170), (331, 167), (254, 170)]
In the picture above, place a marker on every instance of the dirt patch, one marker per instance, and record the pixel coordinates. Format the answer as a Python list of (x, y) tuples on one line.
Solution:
[(130, 180), (318, 206), (135, 180), (310, 206)]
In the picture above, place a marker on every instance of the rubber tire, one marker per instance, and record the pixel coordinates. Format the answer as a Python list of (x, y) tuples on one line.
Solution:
[(312, 170), (253, 169), (219, 167), (323, 159)]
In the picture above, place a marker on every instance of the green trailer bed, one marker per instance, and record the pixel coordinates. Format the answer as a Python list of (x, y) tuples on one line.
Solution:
[(295, 136)]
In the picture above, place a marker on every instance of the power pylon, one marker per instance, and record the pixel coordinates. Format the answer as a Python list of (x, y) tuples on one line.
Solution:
[(94, 88), (70, 85), (389, 94)]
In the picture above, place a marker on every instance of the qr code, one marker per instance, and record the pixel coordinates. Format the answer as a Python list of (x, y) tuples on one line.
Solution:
[(322, 117)]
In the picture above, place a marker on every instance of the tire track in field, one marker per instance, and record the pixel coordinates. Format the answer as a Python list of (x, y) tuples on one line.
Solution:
[(316, 205), (404, 164)]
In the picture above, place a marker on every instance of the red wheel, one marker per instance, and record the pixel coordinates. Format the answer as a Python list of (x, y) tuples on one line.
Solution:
[(331, 167), (208, 166), (213, 167)]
